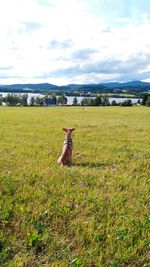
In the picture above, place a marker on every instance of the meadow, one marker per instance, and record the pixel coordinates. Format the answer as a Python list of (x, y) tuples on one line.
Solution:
[(93, 213)]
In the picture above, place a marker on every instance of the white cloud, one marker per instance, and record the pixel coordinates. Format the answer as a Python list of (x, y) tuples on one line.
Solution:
[(40, 38)]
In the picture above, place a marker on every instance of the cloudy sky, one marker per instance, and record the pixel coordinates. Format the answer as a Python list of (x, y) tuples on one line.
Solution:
[(74, 41)]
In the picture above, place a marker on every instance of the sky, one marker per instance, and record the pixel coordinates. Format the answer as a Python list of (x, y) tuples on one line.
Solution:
[(74, 41)]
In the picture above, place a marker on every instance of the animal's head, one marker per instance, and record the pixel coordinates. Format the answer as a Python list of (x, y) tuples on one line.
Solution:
[(68, 130)]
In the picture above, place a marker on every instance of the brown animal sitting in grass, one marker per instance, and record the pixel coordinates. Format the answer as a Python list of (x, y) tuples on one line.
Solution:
[(66, 156)]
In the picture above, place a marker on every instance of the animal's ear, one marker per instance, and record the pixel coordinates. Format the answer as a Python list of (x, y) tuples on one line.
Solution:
[(72, 129), (64, 129)]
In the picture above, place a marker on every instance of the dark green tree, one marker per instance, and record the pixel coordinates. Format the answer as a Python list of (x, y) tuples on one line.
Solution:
[(75, 101), (97, 101), (24, 100), (62, 100), (148, 102), (38, 101), (105, 101), (32, 101), (12, 99), (144, 100), (52, 97), (114, 103), (86, 101), (127, 103)]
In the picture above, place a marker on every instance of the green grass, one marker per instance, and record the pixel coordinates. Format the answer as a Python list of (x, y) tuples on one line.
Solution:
[(93, 213)]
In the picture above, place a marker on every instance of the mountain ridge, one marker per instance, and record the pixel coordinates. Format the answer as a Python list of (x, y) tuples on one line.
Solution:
[(108, 87)]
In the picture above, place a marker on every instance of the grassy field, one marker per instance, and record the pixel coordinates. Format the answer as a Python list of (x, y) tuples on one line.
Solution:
[(93, 213)]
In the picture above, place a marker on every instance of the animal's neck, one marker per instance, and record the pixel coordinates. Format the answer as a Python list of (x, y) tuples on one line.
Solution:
[(68, 140), (68, 136)]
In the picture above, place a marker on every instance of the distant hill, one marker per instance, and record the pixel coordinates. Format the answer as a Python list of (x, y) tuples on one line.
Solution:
[(38, 86), (134, 87), (127, 84)]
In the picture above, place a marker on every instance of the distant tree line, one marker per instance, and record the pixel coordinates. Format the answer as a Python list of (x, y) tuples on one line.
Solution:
[(14, 100), (22, 100), (146, 100), (42, 101), (104, 101), (97, 101), (101, 101)]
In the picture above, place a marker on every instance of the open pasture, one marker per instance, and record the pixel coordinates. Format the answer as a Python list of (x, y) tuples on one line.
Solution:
[(93, 213)]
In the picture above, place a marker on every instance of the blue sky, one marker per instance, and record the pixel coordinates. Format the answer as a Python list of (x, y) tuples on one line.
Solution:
[(74, 41)]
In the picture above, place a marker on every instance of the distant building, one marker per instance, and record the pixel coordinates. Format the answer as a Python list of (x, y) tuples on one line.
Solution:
[(49, 102)]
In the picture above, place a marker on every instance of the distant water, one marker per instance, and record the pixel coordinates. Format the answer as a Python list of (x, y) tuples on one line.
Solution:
[(118, 100), (79, 98)]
